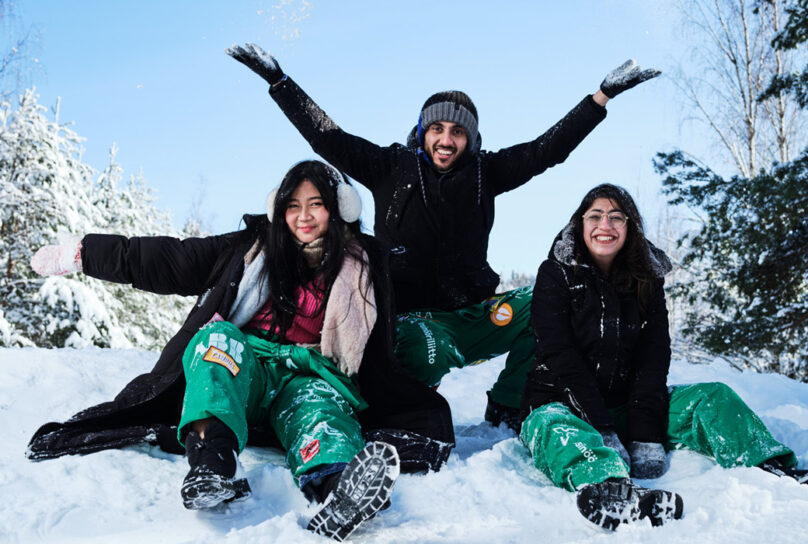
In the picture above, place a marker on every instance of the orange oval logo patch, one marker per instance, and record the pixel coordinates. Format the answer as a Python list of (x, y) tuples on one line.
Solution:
[(502, 315)]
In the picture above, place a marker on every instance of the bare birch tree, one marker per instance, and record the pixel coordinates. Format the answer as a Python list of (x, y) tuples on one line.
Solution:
[(728, 67), (15, 60)]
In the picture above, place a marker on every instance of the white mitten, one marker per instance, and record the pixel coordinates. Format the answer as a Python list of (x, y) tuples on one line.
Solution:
[(58, 260)]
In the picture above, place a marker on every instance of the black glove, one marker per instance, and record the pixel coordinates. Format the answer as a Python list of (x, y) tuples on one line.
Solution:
[(626, 76), (257, 60), (611, 440), (647, 460)]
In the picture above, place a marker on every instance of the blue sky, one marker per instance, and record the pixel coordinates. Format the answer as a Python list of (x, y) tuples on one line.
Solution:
[(153, 78)]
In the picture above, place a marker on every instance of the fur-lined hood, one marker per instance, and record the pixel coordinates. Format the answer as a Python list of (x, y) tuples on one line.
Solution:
[(566, 250)]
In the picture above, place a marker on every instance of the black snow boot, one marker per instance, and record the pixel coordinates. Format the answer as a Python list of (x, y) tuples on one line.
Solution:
[(496, 413), (619, 500), (776, 467), (321, 490), (363, 489), (416, 452), (216, 475)]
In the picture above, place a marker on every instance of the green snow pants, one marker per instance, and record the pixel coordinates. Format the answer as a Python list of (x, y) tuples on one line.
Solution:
[(709, 418), (432, 342), (245, 379)]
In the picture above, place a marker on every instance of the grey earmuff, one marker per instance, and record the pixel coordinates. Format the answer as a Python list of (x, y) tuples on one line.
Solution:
[(348, 201)]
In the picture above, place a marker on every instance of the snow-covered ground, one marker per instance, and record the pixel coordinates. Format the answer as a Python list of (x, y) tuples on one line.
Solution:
[(488, 493)]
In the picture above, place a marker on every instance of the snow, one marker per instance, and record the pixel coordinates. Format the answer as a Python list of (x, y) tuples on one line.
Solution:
[(488, 493)]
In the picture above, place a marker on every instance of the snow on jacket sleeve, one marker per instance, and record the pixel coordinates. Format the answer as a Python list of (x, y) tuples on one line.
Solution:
[(648, 405), (556, 345), (362, 160), (513, 166), (159, 264)]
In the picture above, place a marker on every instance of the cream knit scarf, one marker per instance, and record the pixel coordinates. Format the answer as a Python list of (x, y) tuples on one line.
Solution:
[(350, 310)]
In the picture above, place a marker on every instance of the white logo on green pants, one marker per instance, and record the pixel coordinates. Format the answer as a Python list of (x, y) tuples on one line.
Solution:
[(565, 433), (431, 351)]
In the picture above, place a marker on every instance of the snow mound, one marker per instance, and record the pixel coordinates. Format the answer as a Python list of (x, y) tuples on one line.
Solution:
[(489, 492)]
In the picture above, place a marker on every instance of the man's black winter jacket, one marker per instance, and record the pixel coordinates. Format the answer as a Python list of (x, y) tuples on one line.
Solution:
[(436, 224), (148, 408)]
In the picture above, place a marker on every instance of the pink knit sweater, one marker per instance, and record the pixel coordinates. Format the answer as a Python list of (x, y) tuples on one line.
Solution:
[(306, 327)]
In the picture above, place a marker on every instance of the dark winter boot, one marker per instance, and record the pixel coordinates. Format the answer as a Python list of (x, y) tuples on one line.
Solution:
[(619, 500), (362, 490), (320, 491), (496, 413), (776, 467), (216, 475), (416, 452)]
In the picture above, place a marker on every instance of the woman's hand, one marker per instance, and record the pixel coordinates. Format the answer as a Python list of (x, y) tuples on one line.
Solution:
[(58, 260), (611, 440), (626, 76), (647, 460)]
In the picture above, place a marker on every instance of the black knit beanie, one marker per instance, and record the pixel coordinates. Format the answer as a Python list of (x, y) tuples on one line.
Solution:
[(452, 106)]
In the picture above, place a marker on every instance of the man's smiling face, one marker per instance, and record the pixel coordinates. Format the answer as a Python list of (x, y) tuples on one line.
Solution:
[(444, 142)]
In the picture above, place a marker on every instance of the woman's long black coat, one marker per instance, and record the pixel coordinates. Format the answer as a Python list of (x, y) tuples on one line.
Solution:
[(148, 408), (596, 348)]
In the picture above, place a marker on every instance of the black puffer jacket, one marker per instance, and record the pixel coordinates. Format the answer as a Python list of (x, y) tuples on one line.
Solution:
[(436, 225), (148, 408), (595, 348)]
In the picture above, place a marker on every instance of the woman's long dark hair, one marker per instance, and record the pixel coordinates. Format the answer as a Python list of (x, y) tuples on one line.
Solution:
[(285, 267), (630, 271)]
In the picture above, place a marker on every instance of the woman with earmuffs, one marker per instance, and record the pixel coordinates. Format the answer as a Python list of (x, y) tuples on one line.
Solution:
[(291, 338)]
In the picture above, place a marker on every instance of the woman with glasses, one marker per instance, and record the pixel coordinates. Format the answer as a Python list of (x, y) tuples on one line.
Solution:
[(597, 408)]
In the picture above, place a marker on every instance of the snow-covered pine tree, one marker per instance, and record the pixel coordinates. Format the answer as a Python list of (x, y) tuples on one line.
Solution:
[(197, 222), (130, 210), (752, 289), (515, 280), (44, 190), (746, 284), (47, 194)]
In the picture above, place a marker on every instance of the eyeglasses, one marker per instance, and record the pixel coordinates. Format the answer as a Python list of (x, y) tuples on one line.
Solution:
[(615, 219)]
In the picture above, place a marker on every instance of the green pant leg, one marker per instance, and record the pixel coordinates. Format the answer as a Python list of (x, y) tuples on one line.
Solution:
[(712, 419), (425, 349), (500, 324), (223, 379), (489, 329), (432, 342), (315, 424), (568, 450), (507, 390)]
